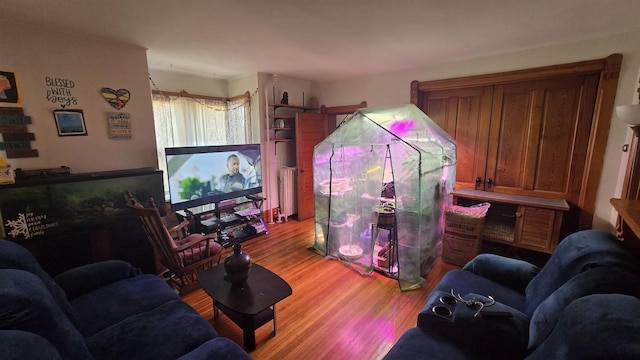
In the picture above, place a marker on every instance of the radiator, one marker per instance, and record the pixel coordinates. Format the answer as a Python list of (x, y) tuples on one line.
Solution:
[(288, 191)]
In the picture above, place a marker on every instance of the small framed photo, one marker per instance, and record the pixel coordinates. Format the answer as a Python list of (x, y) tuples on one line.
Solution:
[(70, 122)]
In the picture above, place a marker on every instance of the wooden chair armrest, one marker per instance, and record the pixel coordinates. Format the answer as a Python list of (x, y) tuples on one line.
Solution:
[(178, 227), (195, 242)]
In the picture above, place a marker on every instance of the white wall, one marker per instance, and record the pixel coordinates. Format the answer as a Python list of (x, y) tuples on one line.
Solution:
[(394, 88), (196, 85), (35, 53)]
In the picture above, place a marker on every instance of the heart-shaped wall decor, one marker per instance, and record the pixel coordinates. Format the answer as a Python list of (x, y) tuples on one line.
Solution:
[(116, 98)]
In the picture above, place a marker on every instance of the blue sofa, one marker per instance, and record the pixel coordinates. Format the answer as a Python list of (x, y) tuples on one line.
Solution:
[(105, 310), (582, 304)]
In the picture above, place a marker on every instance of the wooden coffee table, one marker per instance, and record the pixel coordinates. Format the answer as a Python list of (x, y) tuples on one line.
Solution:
[(249, 306)]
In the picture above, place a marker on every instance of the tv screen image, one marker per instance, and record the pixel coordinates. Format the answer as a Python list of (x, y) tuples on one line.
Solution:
[(200, 175)]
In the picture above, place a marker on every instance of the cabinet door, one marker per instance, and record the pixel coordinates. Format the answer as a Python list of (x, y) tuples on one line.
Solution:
[(534, 137), (535, 228), (465, 115)]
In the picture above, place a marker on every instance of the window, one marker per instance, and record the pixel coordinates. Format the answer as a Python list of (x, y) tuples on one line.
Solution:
[(188, 120)]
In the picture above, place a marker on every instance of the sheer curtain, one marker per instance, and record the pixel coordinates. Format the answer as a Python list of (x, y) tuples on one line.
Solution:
[(190, 121)]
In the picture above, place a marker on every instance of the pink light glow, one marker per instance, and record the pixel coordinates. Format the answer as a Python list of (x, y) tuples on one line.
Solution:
[(402, 127)]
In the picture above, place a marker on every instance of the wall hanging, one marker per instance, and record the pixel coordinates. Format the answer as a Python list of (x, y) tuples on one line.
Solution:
[(16, 138), (116, 98), (70, 122), (119, 126), (8, 87), (59, 91)]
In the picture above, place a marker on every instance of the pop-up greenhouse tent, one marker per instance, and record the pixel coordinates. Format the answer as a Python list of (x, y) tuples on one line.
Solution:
[(381, 181)]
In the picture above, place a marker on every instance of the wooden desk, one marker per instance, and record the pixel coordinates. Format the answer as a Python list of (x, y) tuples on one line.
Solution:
[(629, 212), (522, 221)]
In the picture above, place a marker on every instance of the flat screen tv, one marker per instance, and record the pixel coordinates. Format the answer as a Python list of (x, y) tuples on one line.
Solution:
[(201, 175)]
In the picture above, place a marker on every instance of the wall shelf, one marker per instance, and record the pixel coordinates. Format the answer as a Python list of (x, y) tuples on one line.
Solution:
[(290, 116), (294, 107), (285, 120)]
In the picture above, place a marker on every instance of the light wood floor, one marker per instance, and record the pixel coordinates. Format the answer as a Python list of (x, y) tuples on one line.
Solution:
[(334, 312)]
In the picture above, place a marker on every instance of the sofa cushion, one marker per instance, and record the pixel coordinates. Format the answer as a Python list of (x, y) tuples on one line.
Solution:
[(219, 349), (86, 278), (465, 282), (165, 332), (116, 301), (197, 253), (575, 254), (600, 326), (599, 280), (509, 272), (14, 256), (22, 345), (27, 305), (418, 343), (470, 327)]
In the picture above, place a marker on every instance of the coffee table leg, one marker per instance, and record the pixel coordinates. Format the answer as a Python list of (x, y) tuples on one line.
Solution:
[(248, 332), (274, 319), (215, 311)]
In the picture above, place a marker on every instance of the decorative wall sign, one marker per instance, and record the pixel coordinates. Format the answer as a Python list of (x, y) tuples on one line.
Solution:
[(70, 122), (59, 91), (16, 140), (119, 126), (116, 98), (30, 224)]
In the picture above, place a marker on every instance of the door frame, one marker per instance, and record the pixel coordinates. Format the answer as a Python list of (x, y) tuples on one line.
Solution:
[(333, 111)]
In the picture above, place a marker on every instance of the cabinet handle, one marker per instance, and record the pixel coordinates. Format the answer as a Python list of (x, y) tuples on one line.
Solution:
[(478, 182), (518, 214), (489, 182)]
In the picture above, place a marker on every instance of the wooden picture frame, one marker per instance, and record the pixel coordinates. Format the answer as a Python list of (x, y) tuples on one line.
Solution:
[(70, 122)]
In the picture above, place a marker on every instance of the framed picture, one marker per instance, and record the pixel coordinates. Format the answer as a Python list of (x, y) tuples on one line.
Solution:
[(8, 87), (70, 122)]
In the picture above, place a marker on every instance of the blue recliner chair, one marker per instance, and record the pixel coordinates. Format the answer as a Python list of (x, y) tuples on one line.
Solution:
[(502, 308)]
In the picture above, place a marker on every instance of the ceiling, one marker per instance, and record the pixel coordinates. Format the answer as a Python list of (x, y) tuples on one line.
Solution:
[(326, 40)]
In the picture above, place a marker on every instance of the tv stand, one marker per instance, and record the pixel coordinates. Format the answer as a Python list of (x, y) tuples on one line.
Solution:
[(234, 221)]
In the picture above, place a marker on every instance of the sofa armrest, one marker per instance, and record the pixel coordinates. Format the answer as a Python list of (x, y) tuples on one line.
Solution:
[(84, 279), (496, 329), (219, 348), (20, 345), (513, 273)]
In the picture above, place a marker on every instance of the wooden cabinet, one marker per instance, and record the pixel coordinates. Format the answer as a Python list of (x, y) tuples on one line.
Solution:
[(465, 114), (522, 221), (535, 132), (517, 138), (282, 122)]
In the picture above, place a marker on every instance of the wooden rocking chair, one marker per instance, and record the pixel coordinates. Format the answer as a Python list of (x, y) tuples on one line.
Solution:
[(182, 254)]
